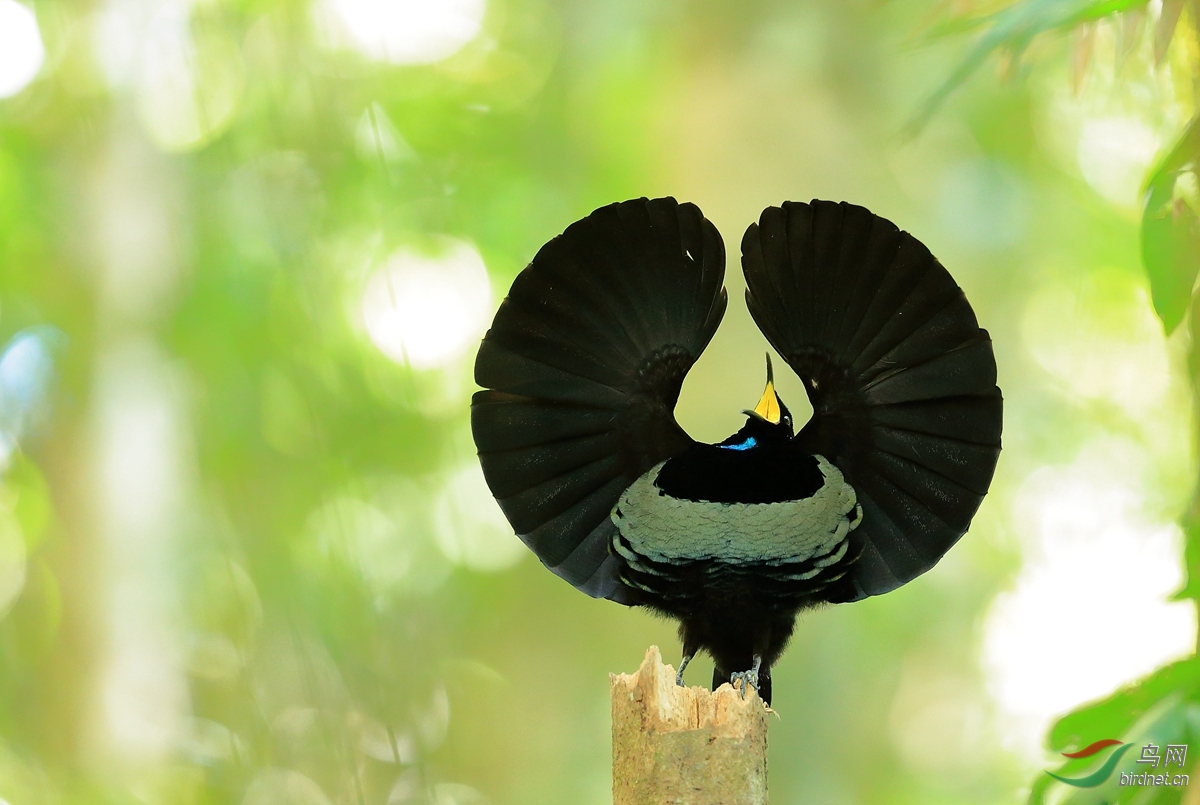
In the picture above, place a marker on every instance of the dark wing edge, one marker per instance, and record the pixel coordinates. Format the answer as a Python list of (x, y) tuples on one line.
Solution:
[(582, 368), (901, 377)]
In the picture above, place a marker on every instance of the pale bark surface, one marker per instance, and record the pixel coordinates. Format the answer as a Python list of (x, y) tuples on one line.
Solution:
[(685, 746)]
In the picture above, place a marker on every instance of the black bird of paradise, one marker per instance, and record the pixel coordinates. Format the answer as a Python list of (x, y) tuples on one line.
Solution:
[(577, 437)]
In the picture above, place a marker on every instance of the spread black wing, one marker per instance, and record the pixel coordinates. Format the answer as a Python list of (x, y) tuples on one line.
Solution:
[(584, 362), (901, 378)]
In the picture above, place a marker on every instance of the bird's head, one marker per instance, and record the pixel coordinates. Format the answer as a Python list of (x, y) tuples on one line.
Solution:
[(770, 420)]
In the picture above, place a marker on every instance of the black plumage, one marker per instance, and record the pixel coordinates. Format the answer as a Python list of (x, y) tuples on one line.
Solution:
[(584, 363)]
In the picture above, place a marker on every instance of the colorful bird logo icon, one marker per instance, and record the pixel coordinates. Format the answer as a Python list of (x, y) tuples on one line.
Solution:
[(1101, 774)]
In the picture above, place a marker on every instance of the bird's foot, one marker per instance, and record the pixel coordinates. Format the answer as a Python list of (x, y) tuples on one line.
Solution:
[(747, 678), (744, 678), (683, 664)]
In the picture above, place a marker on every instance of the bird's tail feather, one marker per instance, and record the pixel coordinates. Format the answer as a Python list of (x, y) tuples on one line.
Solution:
[(901, 377), (583, 365)]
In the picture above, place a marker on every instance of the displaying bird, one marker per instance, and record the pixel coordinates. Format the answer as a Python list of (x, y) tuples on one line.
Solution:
[(575, 429)]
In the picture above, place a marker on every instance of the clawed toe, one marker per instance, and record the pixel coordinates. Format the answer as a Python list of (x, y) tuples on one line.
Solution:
[(746, 678)]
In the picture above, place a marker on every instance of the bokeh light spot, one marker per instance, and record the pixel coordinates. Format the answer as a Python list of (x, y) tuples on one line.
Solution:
[(380, 741), (433, 720), (378, 141), (284, 787), (457, 794), (383, 540), (21, 49), (428, 311), (1114, 154), (27, 367), (412, 789), (26, 378), (209, 742), (1101, 338), (471, 529), (410, 31), (190, 86), (366, 539), (1089, 610), (12, 560)]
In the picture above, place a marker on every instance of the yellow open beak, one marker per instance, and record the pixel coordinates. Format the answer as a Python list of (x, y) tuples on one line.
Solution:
[(768, 404)]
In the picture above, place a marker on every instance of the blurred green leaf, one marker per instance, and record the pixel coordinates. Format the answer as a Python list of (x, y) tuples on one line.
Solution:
[(1171, 230), (1162, 709), (32, 507), (1164, 28), (32, 627), (246, 572), (1191, 552), (1014, 27), (1113, 717)]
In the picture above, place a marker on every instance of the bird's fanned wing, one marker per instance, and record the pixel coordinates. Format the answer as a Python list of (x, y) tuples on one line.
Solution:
[(901, 377), (583, 365)]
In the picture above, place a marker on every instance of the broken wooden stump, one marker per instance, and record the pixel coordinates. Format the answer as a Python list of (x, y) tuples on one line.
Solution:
[(685, 746)]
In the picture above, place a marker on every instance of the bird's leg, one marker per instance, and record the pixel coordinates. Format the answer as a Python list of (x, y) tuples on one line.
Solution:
[(690, 646), (747, 677), (683, 664)]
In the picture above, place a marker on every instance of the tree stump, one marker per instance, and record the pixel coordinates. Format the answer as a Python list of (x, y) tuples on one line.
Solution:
[(685, 746)]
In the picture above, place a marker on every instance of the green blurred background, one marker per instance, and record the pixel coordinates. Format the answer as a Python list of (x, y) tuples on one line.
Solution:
[(247, 248)]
